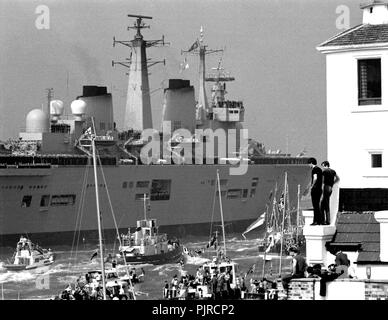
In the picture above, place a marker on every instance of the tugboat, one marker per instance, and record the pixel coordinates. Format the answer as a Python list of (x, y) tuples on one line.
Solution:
[(29, 256), (146, 245)]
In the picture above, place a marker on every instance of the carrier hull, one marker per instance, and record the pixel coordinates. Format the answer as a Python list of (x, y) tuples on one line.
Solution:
[(52, 203)]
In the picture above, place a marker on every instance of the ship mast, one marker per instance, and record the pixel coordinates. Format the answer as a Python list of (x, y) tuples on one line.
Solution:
[(138, 115), (199, 48), (49, 98)]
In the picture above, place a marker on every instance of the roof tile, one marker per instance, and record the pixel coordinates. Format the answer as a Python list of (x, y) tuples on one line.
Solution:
[(359, 228), (361, 34)]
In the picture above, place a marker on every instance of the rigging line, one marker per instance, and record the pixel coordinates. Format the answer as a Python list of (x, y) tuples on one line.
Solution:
[(213, 209), (115, 223), (83, 197), (82, 203), (79, 214)]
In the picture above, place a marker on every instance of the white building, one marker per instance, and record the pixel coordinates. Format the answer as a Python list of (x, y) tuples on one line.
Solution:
[(357, 109), (357, 126)]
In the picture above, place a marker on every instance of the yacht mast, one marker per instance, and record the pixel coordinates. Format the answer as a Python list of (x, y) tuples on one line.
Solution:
[(222, 214), (284, 214), (98, 212)]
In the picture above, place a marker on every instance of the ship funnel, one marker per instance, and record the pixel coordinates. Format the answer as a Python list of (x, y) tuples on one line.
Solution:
[(78, 108), (56, 109)]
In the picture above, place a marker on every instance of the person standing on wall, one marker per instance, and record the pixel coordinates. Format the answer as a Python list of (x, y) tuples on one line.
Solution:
[(316, 191), (329, 179)]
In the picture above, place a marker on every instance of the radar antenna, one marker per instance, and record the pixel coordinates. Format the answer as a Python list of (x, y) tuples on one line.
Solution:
[(138, 25)]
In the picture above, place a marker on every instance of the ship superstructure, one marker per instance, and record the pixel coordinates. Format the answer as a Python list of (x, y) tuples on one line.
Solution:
[(46, 180)]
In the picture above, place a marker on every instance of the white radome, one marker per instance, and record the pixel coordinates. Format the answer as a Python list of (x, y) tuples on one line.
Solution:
[(78, 108), (56, 107), (36, 121)]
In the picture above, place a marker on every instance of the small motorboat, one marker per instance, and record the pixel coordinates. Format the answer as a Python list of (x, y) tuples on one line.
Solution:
[(146, 245), (29, 256)]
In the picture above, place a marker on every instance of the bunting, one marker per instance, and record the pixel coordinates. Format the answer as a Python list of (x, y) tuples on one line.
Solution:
[(194, 46)]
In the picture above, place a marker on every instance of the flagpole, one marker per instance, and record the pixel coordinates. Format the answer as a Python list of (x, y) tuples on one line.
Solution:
[(282, 232)]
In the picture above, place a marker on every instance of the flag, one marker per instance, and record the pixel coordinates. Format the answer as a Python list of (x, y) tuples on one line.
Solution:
[(94, 255), (211, 242), (255, 224), (251, 269), (194, 46)]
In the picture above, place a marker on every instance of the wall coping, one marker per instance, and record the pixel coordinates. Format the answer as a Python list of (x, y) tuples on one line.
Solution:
[(340, 280)]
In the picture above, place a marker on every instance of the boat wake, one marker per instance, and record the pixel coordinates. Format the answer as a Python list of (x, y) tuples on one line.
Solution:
[(20, 276), (196, 260)]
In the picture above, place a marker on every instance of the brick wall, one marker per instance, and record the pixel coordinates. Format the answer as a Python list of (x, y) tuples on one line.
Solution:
[(341, 289), (376, 290), (303, 289)]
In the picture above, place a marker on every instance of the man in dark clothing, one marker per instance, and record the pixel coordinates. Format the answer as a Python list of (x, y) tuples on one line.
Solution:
[(214, 285), (341, 259), (316, 191), (329, 178), (299, 266)]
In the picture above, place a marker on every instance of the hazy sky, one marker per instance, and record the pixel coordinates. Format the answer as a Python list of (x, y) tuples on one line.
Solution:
[(270, 49)]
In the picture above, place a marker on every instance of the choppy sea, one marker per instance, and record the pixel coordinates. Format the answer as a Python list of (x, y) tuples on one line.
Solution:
[(45, 283)]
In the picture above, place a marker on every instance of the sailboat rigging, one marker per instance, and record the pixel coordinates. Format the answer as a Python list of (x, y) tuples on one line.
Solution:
[(93, 137)]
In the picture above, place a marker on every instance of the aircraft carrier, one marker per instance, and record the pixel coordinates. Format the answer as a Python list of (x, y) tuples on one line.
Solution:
[(46, 176)]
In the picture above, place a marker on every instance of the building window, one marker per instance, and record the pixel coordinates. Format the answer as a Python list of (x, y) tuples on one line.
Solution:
[(369, 81), (45, 200), (124, 184), (26, 201), (253, 192), (376, 160)]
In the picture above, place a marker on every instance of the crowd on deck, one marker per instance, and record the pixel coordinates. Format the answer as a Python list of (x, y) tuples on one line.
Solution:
[(89, 287), (217, 286)]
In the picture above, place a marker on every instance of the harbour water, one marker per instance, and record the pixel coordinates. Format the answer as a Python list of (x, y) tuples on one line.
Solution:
[(70, 264)]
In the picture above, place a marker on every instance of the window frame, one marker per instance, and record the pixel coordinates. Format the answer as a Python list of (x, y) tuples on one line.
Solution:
[(369, 101)]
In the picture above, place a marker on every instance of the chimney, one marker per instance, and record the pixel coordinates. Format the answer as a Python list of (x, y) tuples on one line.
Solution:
[(382, 218), (375, 12)]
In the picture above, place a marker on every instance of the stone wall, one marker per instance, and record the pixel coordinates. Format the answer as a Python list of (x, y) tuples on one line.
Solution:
[(303, 289), (341, 289), (376, 290)]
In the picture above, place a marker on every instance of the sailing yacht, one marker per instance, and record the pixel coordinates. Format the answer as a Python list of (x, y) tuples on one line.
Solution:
[(100, 284)]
